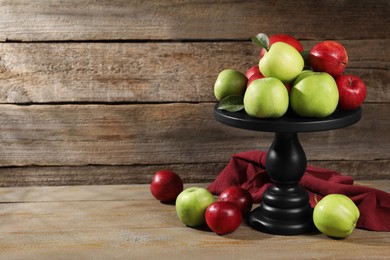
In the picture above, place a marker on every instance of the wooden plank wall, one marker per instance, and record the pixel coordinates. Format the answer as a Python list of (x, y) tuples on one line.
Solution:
[(108, 92)]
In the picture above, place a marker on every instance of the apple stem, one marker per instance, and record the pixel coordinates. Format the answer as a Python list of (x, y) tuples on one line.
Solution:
[(350, 82)]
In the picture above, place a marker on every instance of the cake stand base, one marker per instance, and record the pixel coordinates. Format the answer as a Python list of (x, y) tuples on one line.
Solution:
[(283, 211), (285, 207)]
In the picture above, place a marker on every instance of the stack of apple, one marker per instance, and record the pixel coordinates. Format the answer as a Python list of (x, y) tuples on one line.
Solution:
[(310, 82), (197, 207)]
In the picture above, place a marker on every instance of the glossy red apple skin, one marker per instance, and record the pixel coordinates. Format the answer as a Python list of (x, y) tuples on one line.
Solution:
[(328, 56), (254, 77), (254, 70), (223, 217), (252, 74), (166, 186), (352, 91), (238, 196), (283, 38)]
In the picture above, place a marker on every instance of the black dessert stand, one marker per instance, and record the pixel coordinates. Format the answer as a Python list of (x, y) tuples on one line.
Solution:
[(285, 207)]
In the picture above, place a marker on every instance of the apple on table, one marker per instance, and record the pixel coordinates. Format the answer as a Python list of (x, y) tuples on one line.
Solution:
[(223, 217), (336, 215), (166, 185), (191, 205), (238, 196)]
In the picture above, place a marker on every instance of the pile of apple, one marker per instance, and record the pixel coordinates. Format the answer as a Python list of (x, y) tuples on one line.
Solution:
[(310, 82), (197, 207)]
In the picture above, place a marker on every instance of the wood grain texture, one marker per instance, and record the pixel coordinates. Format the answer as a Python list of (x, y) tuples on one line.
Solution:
[(125, 222), (108, 92), (189, 172), (134, 20), (152, 72), (163, 134)]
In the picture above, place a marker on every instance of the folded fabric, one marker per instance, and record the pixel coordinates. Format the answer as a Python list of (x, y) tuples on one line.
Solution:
[(247, 169)]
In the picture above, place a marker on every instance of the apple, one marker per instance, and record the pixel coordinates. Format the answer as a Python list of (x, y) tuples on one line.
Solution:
[(166, 185), (288, 87), (314, 94), (283, 38), (254, 70), (191, 205), (223, 217), (266, 98), (336, 215), (282, 61), (238, 196), (229, 82), (352, 91), (328, 56), (254, 77), (252, 74)]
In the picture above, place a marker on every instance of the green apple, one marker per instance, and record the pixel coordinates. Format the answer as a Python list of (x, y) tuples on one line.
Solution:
[(229, 82), (314, 94), (266, 98), (336, 215), (191, 205), (282, 61)]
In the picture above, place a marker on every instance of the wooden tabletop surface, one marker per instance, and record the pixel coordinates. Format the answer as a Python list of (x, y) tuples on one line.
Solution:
[(126, 222)]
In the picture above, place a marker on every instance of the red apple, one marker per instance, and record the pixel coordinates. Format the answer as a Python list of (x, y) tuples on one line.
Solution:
[(288, 87), (283, 38), (352, 91), (254, 77), (328, 56), (166, 185), (238, 196), (223, 217), (252, 74), (254, 70)]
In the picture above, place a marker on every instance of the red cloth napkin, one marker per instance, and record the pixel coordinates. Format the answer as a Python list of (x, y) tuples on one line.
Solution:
[(247, 169)]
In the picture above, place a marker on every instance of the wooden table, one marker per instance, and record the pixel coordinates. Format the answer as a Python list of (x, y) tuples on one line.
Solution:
[(126, 222)]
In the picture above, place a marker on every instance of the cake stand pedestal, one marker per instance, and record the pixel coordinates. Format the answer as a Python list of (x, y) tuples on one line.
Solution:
[(285, 207)]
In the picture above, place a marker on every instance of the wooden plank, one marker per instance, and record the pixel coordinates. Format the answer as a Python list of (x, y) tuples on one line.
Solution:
[(106, 242), (133, 20), (105, 222), (359, 170), (73, 194), (74, 135), (116, 193), (109, 174), (152, 72), (136, 174)]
